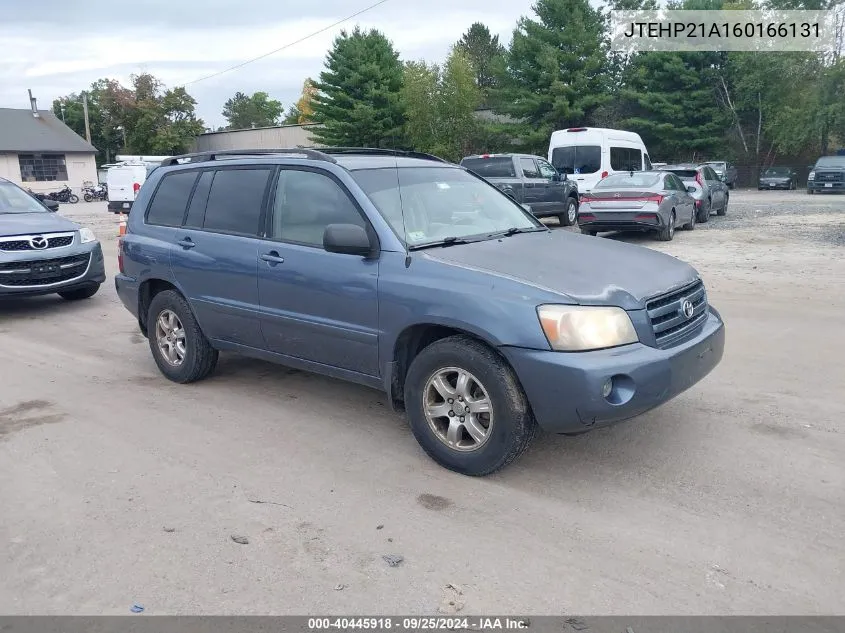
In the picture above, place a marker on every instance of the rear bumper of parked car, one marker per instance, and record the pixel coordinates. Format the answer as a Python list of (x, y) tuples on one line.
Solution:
[(565, 389), (621, 221), (120, 206), (70, 269), (127, 291)]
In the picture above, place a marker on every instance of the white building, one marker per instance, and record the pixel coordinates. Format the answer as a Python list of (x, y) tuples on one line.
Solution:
[(39, 152)]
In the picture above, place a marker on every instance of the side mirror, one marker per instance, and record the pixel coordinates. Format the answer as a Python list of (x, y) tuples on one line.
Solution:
[(691, 189), (558, 177), (349, 239), (51, 205)]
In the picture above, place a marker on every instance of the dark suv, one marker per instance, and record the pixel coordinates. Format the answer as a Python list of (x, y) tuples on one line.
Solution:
[(827, 175), (406, 273)]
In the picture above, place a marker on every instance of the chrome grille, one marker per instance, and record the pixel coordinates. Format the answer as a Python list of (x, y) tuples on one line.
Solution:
[(829, 176), (666, 313), (25, 242)]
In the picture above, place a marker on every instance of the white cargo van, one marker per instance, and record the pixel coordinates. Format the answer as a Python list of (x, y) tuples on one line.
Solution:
[(588, 154), (124, 180)]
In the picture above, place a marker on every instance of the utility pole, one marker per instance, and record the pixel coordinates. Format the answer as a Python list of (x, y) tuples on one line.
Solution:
[(85, 113)]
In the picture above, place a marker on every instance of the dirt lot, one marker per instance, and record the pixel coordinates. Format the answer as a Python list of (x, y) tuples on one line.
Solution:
[(118, 487)]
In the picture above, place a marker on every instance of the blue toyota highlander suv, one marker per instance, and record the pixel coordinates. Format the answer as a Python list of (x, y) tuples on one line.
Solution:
[(403, 272)]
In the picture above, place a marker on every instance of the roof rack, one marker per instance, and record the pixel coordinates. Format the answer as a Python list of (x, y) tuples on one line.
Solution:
[(200, 157), (378, 151)]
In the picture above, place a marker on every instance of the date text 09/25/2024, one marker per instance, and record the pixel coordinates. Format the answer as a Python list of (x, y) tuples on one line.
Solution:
[(418, 623)]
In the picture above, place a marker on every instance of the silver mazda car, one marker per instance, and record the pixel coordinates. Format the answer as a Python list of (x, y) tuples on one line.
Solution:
[(43, 253)]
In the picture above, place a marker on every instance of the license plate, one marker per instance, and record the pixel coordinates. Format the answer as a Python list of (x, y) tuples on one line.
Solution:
[(828, 184), (125, 205), (772, 185)]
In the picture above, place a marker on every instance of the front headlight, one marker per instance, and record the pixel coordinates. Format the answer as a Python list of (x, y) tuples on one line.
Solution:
[(581, 328), (86, 235), (811, 175)]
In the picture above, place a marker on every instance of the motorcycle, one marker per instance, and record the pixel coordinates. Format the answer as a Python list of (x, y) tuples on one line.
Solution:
[(91, 193), (38, 196), (64, 195)]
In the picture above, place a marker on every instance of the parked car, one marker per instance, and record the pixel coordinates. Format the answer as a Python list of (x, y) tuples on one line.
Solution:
[(530, 180), (777, 178), (653, 201), (706, 188), (726, 172), (353, 264), (42, 252), (828, 174), (589, 154)]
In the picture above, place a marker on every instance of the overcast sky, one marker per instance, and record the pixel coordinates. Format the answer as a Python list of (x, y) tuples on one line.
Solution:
[(56, 47)]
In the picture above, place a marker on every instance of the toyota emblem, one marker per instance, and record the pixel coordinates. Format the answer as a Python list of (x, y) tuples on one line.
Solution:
[(688, 308), (38, 242)]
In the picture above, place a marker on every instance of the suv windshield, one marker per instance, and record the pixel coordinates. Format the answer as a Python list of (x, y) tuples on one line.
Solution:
[(682, 173), (492, 167), (427, 205), (831, 161), (623, 180), (13, 199)]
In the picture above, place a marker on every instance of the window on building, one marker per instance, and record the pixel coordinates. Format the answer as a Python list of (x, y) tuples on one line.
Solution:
[(42, 167)]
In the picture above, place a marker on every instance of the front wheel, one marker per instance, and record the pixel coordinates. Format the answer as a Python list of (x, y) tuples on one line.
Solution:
[(466, 407), (179, 347), (87, 197), (571, 216), (668, 232), (80, 293), (73, 198)]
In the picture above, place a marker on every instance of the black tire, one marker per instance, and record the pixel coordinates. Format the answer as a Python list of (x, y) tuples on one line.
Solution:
[(571, 216), (73, 199), (200, 357), (666, 233), (690, 226), (80, 293), (513, 425), (730, 185), (87, 197), (724, 210), (810, 192), (589, 232), (702, 215)]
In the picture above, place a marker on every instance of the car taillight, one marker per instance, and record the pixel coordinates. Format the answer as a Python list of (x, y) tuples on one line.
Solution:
[(698, 203), (698, 178), (585, 198), (586, 216), (120, 255), (604, 174), (136, 188)]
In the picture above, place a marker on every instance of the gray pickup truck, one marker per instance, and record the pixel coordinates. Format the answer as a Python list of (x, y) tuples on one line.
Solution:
[(531, 181)]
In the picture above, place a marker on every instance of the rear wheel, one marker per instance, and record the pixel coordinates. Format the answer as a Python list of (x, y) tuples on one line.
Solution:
[(87, 197), (466, 407), (73, 199), (571, 216), (666, 233), (703, 214), (179, 347), (724, 209), (809, 192), (80, 293), (689, 226)]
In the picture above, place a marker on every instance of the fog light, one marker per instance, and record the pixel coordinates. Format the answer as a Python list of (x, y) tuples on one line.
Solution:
[(606, 388)]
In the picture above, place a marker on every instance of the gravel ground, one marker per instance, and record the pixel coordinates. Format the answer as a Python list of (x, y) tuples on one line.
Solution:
[(269, 491)]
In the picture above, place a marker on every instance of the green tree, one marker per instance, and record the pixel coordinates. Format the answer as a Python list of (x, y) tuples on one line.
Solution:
[(259, 110), (556, 73), (302, 111), (358, 100), (486, 55)]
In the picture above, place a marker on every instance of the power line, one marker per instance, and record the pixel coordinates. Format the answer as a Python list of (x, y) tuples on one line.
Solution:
[(281, 48)]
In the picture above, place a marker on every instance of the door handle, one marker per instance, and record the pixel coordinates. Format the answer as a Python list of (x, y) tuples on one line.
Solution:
[(273, 257), (186, 243)]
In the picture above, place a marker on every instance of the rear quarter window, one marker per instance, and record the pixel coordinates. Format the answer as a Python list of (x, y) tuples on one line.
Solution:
[(167, 208)]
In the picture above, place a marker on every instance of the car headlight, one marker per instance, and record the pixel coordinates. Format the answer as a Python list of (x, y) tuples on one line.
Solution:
[(581, 328), (86, 235), (811, 175)]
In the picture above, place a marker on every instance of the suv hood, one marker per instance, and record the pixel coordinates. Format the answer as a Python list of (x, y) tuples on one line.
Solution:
[(587, 270), (33, 223)]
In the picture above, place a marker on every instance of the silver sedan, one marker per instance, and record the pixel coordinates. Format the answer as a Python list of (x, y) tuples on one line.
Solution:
[(655, 201)]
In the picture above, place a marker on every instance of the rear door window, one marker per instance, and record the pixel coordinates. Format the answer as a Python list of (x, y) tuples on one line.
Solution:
[(236, 201), (170, 200), (529, 168), (577, 159), (625, 159), (493, 167)]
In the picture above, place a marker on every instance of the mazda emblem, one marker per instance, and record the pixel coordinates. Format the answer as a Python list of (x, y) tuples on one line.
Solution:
[(688, 308), (38, 242)]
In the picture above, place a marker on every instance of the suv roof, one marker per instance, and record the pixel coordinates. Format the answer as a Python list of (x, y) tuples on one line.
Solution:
[(680, 166), (351, 158), (504, 155)]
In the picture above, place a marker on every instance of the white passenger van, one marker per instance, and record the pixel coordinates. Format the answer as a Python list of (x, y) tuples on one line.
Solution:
[(124, 180), (588, 154)]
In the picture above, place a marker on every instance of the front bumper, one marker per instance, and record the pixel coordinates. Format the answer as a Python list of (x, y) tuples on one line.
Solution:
[(565, 389), (774, 185), (838, 186), (31, 273)]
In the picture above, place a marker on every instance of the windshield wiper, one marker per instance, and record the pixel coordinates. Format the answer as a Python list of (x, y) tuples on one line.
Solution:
[(446, 241), (514, 230)]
